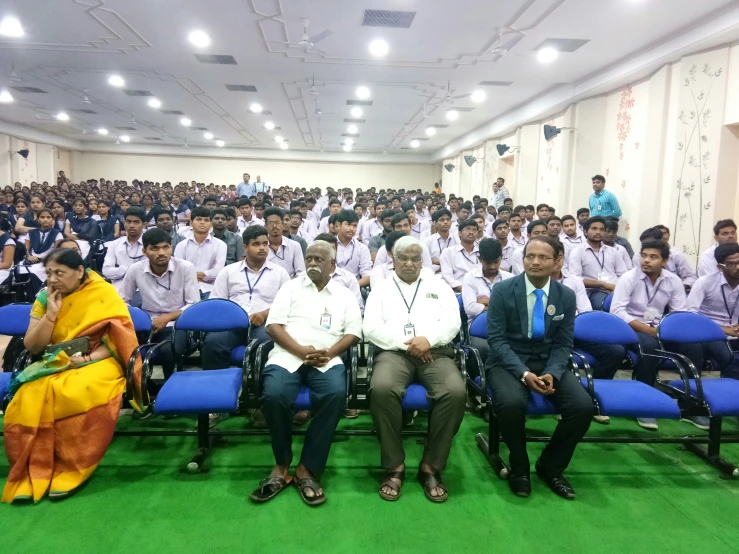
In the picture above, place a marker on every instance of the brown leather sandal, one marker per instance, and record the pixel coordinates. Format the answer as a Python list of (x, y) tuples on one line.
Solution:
[(388, 482)]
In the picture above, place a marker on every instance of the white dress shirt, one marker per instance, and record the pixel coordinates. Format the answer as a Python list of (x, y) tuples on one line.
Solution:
[(354, 257), (434, 314), (349, 281), (120, 256), (323, 225), (475, 285), (419, 228), (255, 294), (369, 229), (456, 262), (581, 295), (289, 256), (308, 230), (707, 263), (516, 242), (713, 297), (209, 257), (624, 254), (531, 300), (435, 244), (302, 309), (605, 265), (677, 263), (635, 298), (243, 224), (176, 289), (517, 261), (506, 259)]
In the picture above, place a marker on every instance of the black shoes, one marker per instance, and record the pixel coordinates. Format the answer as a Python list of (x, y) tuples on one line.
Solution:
[(559, 485), (520, 485)]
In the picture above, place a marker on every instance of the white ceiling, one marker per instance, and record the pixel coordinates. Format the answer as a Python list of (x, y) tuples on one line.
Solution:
[(71, 47)]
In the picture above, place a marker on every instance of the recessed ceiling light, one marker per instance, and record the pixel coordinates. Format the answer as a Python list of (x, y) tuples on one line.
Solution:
[(256, 108), (278, 138), (61, 116), (348, 141), (347, 148), (362, 93), (547, 55), (415, 143), (208, 135), (352, 129), (379, 48), (116, 81), (356, 112), (125, 138), (269, 125), (284, 145), (199, 38), (220, 143), (430, 131), (186, 122), (102, 131), (5, 96), (452, 115), (477, 96), (11, 27), (154, 103)]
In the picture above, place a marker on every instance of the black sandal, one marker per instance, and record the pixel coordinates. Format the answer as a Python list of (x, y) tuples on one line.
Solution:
[(269, 488), (315, 486), (400, 475), (430, 481)]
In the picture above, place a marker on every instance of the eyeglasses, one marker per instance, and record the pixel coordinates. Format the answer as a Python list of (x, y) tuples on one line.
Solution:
[(730, 265), (540, 257), (403, 259), (273, 223)]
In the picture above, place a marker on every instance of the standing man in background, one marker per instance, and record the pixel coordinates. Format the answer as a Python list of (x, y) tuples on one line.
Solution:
[(500, 193), (260, 186), (603, 202), (245, 188)]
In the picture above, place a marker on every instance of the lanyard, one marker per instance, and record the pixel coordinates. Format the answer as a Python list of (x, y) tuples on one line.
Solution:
[(448, 242), (169, 285), (656, 290), (346, 261), (597, 259), (403, 296), (248, 282), (726, 305), (134, 250), (281, 249), (475, 260)]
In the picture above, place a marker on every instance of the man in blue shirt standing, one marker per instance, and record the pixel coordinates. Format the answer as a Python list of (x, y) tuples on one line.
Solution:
[(603, 202), (245, 188)]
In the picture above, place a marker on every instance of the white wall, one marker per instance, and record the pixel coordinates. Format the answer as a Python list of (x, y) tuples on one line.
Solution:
[(275, 173)]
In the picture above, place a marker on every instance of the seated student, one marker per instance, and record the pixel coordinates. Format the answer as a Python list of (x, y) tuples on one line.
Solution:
[(83, 227), (723, 232), (378, 239), (286, 221), (456, 261), (412, 320), (418, 226), (69, 243), (60, 217), (282, 251), (340, 274), (570, 236), (204, 251), (642, 297), (300, 228), (501, 232), (233, 241), (536, 358), (372, 226), (253, 284), (313, 320), (40, 243), (127, 250), (716, 296), (597, 264), (609, 239), (109, 225), (442, 239), (334, 207), (231, 223), (542, 212), (383, 271), (246, 216), (167, 287), (181, 211), (517, 236), (401, 222), (583, 214), (677, 263), (563, 277), (352, 255), (534, 229), (29, 219), (165, 222), (7, 249)]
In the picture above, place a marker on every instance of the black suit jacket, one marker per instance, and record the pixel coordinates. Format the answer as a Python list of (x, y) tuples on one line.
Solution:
[(510, 347)]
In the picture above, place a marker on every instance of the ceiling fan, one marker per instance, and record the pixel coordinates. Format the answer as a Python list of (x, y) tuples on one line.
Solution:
[(499, 47), (319, 111), (306, 41)]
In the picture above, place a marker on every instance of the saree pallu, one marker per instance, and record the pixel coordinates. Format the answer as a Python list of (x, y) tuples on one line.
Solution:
[(61, 420)]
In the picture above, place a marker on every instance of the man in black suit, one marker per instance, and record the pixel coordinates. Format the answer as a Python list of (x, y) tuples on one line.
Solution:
[(531, 320)]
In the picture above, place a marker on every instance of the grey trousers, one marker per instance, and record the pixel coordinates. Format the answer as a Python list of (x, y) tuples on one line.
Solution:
[(393, 372)]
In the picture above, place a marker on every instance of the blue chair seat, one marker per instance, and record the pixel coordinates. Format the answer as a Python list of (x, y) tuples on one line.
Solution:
[(633, 356), (621, 398), (237, 356), (4, 380), (200, 392), (538, 403), (722, 395), (302, 402), (415, 398)]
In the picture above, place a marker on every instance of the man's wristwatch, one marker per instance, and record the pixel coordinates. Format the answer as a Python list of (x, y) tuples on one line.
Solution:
[(523, 377)]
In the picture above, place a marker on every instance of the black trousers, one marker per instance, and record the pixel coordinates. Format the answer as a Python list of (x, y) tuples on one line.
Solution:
[(164, 354), (510, 399), (218, 346), (608, 357)]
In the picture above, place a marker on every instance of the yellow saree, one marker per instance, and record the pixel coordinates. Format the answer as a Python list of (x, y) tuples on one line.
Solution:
[(58, 427)]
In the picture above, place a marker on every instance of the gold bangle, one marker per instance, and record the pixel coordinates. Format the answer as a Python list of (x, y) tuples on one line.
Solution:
[(49, 319)]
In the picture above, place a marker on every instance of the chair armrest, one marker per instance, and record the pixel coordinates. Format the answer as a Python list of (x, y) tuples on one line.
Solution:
[(353, 370), (147, 369), (370, 362), (687, 372), (246, 368), (462, 361), (586, 366), (129, 371), (260, 361)]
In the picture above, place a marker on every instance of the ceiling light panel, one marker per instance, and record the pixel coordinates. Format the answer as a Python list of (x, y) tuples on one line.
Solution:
[(388, 18), (222, 59)]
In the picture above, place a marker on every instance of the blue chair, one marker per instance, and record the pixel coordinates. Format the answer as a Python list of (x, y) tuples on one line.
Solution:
[(201, 393), (716, 398), (14, 321), (477, 329), (607, 303)]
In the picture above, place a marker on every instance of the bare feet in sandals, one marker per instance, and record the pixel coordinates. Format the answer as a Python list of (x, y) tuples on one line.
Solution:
[(391, 486), (277, 481), (310, 489), (433, 486)]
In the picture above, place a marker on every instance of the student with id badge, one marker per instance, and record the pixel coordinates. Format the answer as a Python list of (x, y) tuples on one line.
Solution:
[(411, 319)]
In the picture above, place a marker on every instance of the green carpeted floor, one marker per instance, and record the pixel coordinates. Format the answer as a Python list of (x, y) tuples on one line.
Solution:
[(632, 498)]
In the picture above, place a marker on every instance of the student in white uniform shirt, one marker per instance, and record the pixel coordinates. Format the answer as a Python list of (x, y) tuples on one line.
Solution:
[(412, 320), (247, 218), (401, 222), (124, 252), (422, 212), (677, 263), (456, 261), (167, 286), (203, 250), (372, 226), (282, 250), (334, 207), (253, 284), (352, 255), (313, 320), (386, 270), (723, 232), (417, 226), (609, 239), (501, 233), (536, 228), (442, 239), (516, 236), (570, 237), (341, 275)]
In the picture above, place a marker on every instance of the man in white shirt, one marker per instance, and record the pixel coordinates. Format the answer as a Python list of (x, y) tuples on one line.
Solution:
[(168, 287), (124, 252), (411, 320), (442, 239), (282, 250), (501, 233), (313, 320), (387, 270), (207, 253), (517, 236), (352, 255), (570, 237), (609, 239), (677, 263), (334, 207), (253, 284), (246, 217), (500, 193), (400, 222), (341, 275), (724, 232), (456, 261), (372, 226)]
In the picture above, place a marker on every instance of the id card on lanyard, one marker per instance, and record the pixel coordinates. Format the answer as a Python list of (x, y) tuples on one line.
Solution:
[(409, 330), (325, 319)]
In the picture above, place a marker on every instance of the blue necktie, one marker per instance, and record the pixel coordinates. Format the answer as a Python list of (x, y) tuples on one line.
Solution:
[(537, 326)]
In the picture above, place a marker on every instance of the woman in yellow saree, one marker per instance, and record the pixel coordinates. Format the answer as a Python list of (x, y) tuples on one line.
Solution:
[(64, 407)]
